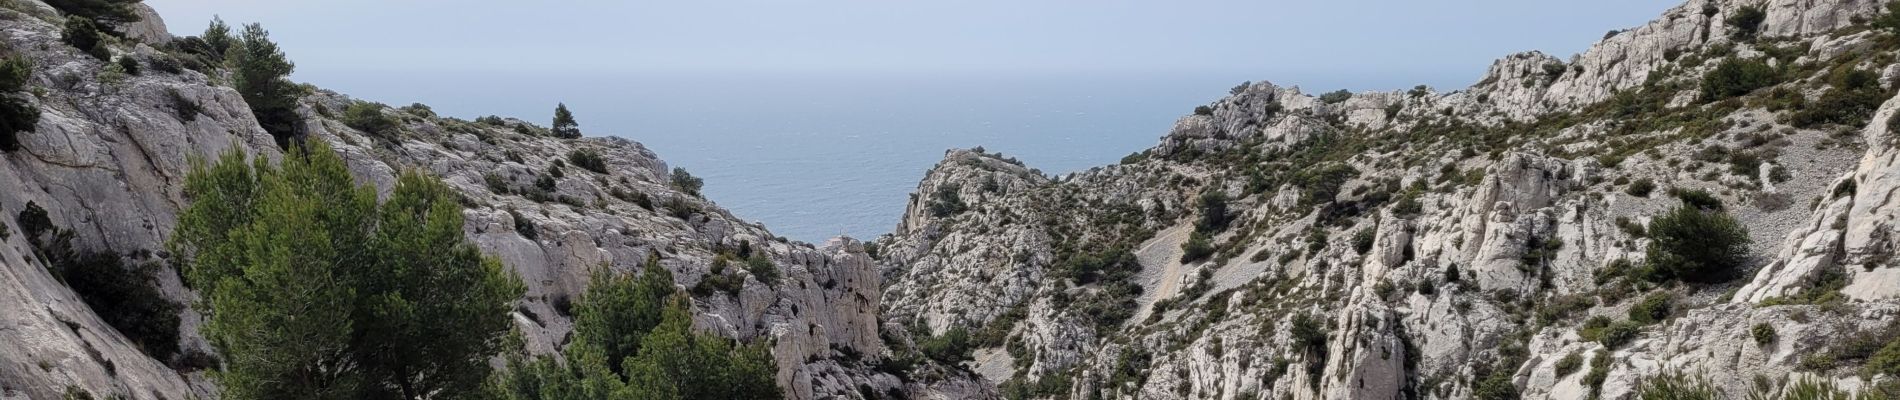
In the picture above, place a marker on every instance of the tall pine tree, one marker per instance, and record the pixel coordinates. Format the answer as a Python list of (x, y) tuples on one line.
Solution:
[(314, 291), (564, 125), (260, 72), (634, 339)]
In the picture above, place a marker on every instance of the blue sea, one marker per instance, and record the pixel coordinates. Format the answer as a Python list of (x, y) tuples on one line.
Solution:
[(817, 155)]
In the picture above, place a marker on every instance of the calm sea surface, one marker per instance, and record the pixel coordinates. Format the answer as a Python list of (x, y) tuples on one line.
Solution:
[(820, 155)]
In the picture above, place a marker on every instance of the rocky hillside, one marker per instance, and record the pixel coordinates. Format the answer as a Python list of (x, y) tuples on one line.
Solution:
[(1681, 201), (107, 158)]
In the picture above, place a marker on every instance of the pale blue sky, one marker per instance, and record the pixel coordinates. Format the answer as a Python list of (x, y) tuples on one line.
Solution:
[(1363, 44), (786, 104)]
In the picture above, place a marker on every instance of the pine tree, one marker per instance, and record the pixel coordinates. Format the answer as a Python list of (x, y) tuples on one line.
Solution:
[(314, 291), (564, 125), (634, 340), (218, 37), (260, 72)]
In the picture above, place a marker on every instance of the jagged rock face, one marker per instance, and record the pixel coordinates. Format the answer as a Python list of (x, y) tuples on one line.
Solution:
[(107, 160), (109, 156), (1521, 86), (1438, 260)]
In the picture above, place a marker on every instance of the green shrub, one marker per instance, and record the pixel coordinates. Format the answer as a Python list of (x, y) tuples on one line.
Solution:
[(762, 269), (1653, 308), (1203, 110), (1570, 363), (1599, 371), (129, 65), (1336, 97), (687, 183), (83, 34), (126, 297), (1322, 183), (1763, 333), (524, 226), (1213, 212), (1697, 198), (369, 118), (1640, 188), (1675, 386), (1611, 334), (1696, 245), (952, 347), (1198, 247), (1746, 22), (588, 159), (1851, 102), (1363, 239), (946, 201), (1496, 386), (1736, 77)]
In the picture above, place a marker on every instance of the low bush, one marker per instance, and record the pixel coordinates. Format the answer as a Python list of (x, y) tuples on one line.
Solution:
[(126, 297), (951, 348), (1336, 97), (83, 34), (1695, 244), (1763, 333), (1611, 334), (369, 118), (588, 159), (1198, 247), (1851, 102), (1568, 364), (1746, 22), (946, 201), (1735, 77), (524, 226), (1653, 308), (762, 269)]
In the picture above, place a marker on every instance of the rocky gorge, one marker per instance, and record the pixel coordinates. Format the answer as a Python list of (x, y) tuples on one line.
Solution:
[(1508, 240)]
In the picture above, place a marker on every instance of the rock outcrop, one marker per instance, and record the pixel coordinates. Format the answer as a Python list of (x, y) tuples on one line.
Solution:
[(1450, 245), (111, 151)]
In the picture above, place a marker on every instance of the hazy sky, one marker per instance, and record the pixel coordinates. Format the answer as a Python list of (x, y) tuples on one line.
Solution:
[(1362, 44)]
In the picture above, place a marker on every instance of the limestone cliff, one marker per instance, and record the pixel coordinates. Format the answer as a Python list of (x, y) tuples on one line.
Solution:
[(1426, 245), (110, 152)]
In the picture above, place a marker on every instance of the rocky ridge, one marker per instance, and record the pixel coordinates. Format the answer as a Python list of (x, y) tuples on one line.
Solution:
[(109, 155), (1425, 245)]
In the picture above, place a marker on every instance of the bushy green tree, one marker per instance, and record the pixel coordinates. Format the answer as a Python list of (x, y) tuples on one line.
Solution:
[(1695, 244), (369, 118), (618, 311), (1214, 213), (260, 72), (686, 182), (217, 38), (1746, 22), (588, 159), (1736, 77), (314, 291), (83, 34), (634, 340), (564, 125)]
